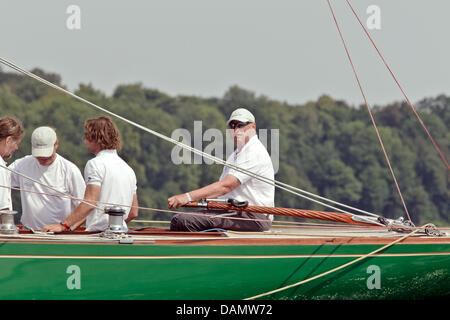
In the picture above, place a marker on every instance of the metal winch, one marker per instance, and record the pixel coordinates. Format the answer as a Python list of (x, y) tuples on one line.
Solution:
[(7, 225), (116, 230), (116, 214)]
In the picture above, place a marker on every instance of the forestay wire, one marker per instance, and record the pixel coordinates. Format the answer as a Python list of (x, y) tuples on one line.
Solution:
[(278, 184)]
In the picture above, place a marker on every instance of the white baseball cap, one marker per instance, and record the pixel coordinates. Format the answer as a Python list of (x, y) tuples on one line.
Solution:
[(242, 115), (42, 142)]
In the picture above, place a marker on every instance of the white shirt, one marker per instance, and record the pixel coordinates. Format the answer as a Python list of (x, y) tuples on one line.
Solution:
[(253, 157), (39, 210), (5, 180), (118, 186)]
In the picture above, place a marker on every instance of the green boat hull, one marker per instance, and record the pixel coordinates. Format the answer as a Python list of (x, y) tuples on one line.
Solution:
[(220, 272)]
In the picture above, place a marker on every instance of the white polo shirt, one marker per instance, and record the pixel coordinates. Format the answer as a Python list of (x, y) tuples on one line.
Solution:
[(253, 157), (5, 193), (39, 210), (118, 186)]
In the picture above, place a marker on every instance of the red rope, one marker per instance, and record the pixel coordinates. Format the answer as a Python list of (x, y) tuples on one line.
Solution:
[(401, 89), (370, 112), (298, 213)]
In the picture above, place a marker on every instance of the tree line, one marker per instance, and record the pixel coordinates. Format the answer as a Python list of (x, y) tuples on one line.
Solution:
[(326, 147)]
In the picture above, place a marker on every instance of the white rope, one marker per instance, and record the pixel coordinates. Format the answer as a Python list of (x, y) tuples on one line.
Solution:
[(337, 268), (50, 187), (275, 183), (221, 216)]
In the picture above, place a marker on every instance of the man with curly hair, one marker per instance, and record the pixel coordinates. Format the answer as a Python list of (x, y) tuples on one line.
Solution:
[(109, 180)]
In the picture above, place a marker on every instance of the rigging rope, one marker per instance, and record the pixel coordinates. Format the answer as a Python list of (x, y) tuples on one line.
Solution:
[(370, 112), (278, 184), (137, 207), (47, 186), (401, 89)]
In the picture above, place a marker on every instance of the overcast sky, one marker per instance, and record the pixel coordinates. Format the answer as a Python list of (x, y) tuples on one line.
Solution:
[(288, 50)]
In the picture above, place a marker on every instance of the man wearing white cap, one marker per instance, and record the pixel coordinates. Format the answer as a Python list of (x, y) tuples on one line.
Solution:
[(250, 155), (44, 165)]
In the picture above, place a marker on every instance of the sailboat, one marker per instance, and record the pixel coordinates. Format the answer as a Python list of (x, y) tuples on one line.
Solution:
[(310, 261), (351, 256)]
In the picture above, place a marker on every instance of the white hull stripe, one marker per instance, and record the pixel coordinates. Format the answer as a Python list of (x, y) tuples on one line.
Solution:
[(220, 256)]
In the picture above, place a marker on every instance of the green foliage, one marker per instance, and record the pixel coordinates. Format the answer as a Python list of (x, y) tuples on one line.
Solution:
[(325, 146)]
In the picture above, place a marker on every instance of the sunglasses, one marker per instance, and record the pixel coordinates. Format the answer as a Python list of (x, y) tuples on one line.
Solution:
[(239, 124)]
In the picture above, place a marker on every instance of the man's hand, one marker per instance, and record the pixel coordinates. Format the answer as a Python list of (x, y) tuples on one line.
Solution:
[(56, 228), (177, 201), (212, 190)]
